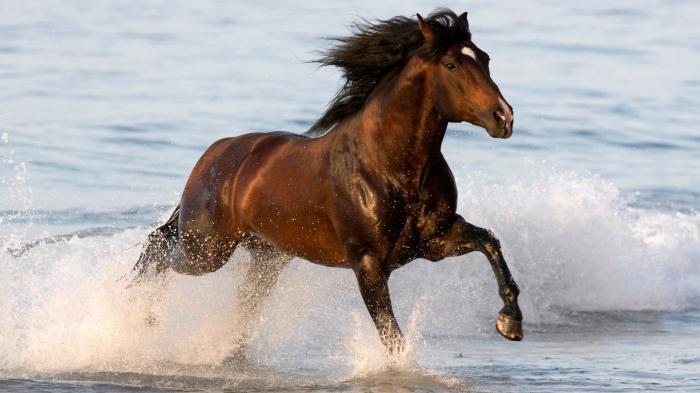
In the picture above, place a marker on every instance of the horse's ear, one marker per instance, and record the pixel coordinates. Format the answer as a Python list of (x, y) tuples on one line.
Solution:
[(464, 21), (425, 29)]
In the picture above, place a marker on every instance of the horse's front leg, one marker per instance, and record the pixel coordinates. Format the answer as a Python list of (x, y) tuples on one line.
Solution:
[(463, 237), (374, 287)]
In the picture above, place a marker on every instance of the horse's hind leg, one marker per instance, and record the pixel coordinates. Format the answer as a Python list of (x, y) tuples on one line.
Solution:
[(266, 265)]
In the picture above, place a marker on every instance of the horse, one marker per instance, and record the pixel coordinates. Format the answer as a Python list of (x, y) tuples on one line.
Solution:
[(365, 188)]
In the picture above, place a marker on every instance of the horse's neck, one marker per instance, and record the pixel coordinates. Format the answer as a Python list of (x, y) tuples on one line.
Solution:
[(398, 124)]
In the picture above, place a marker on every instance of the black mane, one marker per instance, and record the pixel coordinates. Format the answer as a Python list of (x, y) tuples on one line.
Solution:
[(374, 49)]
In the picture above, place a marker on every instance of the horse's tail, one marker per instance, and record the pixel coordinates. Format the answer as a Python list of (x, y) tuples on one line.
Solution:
[(158, 251)]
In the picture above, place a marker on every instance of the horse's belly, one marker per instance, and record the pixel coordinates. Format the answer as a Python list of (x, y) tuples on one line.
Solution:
[(311, 239), (294, 223), (281, 195)]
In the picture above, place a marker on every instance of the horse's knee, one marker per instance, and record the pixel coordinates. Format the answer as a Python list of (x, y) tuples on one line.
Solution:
[(367, 267), (487, 240)]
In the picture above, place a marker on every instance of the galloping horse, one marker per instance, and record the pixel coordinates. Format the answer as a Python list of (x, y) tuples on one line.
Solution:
[(366, 188)]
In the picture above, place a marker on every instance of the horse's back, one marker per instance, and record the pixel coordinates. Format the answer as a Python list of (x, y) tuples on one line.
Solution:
[(214, 176)]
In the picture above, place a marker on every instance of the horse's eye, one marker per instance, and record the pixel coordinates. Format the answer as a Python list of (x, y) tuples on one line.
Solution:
[(450, 66)]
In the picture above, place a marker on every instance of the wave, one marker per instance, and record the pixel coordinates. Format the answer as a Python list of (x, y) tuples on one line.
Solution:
[(138, 215), (100, 223), (573, 242)]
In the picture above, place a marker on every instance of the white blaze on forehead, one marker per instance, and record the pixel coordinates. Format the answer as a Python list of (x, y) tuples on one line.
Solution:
[(468, 52)]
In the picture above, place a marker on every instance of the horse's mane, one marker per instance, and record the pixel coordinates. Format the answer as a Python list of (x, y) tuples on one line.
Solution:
[(376, 48)]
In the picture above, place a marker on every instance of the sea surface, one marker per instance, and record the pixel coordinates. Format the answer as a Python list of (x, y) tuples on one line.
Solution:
[(105, 107)]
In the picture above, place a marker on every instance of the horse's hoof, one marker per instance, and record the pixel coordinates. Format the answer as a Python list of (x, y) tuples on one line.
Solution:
[(509, 327)]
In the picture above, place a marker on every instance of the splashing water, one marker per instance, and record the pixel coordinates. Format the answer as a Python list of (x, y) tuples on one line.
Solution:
[(572, 241), (106, 108)]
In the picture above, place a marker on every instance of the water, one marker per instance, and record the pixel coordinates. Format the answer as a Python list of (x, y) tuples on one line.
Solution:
[(104, 108)]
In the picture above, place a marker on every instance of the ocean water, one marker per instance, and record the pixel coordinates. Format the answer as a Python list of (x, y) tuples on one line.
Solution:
[(105, 107)]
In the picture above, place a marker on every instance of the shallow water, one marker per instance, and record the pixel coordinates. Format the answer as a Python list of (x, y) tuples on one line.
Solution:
[(105, 108)]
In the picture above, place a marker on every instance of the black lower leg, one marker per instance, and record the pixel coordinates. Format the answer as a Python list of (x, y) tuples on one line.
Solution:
[(374, 288), (509, 323), (507, 288)]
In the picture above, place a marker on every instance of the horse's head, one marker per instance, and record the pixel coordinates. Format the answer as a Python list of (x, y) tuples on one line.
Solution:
[(462, 86)]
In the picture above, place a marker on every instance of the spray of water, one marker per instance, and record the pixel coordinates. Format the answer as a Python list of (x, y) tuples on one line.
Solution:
[(571, 240)]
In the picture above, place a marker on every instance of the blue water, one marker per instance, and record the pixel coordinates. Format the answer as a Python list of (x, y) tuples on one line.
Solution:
[(105, 107)]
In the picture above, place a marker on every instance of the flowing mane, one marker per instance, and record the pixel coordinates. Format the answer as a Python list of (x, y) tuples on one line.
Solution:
[(375, 49)]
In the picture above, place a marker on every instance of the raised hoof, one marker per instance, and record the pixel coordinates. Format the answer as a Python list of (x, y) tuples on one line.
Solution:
[(509, 327)]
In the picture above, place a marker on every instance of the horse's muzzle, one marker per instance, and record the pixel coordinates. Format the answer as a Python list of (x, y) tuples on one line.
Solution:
[(504, 124), (503, 118), (499, 124)]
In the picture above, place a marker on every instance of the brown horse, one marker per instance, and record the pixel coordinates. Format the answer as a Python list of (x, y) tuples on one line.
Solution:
[(367, 188)]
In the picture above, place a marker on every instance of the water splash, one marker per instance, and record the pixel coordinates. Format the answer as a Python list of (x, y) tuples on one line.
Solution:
[(572, 242), (16, 198)]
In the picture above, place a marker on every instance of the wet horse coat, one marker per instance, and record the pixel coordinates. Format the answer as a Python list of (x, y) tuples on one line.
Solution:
[(368, 190)]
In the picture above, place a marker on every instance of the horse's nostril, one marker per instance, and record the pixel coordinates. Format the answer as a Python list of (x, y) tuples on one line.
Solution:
[(500, 117)]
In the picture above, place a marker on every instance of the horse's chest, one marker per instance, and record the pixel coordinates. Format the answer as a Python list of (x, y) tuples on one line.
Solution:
[(393, 218)]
